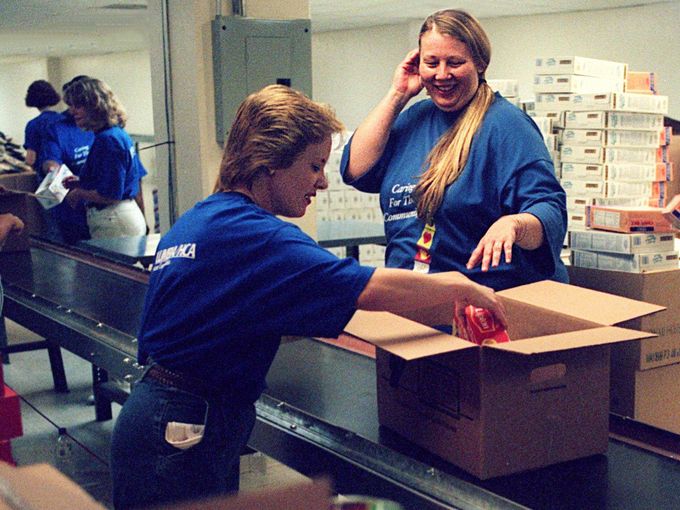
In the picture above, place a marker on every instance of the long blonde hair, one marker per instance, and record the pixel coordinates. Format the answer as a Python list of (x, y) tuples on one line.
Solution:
[(448, 157)]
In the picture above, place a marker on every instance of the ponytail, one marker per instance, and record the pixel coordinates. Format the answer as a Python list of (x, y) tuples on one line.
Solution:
[(448, 157)]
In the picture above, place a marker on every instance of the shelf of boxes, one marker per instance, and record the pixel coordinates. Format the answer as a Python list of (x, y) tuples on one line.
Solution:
[(612, 143), (341, 202)]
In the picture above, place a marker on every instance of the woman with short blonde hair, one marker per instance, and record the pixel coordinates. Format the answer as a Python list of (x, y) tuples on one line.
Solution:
[(230, 279), (110, 182)]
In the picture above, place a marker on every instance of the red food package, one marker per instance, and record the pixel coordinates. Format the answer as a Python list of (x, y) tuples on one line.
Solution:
[(480, 327)]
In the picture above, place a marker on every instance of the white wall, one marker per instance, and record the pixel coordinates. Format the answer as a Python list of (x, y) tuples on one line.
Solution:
[(15, 78), (644, 37), (129, 76), (353, 68)]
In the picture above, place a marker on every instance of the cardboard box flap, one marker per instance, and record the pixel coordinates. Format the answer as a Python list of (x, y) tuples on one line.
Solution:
[(403, 337), (586, 304), (41, 486), (571, 340)]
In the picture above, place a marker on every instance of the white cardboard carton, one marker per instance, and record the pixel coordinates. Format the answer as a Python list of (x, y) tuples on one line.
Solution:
[(581, 65), (618, 242), (51, 191), (629, 263)]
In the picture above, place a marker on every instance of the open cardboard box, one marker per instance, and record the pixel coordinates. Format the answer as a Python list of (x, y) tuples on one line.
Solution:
[(498, 409)]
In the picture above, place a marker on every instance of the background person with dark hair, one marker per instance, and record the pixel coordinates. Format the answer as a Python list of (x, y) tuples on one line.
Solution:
[(65, 143), (40, 95)]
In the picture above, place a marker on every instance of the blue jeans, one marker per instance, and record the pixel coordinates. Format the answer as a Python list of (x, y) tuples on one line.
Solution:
[(147, 470)]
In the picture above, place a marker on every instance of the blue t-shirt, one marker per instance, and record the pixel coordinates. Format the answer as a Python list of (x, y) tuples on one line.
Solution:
[(35, 135), (113, 167), (67, 144), (508, 171), (230, 279)]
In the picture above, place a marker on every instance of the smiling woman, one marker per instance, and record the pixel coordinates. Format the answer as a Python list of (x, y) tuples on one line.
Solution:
[(484, 187)]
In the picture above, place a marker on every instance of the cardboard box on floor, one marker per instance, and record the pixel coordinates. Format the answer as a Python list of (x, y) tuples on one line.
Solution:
[(41, 487), (634, 392), (314, 495), (649, 396), (499, 409)]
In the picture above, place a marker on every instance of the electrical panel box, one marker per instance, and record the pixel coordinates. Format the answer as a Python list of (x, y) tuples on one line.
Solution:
[(249, 54)]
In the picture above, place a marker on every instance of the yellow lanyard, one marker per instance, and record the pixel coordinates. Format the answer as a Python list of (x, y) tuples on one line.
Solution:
[(421, 262)]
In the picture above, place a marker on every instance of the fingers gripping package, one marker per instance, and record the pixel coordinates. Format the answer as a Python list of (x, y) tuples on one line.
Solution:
[(479, 326)]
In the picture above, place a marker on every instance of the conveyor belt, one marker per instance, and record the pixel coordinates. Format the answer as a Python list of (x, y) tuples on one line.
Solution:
[(319, 414)]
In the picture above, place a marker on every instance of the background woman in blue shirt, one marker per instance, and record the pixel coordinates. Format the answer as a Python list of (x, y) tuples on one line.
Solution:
[(229, 279), (41, 95), (466, 182), (110, 181)]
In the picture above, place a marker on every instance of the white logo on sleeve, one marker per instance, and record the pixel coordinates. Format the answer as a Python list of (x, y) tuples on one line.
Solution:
[(181, 251)]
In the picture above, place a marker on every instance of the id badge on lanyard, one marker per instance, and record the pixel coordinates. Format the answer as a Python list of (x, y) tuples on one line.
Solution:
[(421, 262)]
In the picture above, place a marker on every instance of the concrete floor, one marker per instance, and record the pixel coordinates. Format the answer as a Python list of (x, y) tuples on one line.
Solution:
[(44, 411)]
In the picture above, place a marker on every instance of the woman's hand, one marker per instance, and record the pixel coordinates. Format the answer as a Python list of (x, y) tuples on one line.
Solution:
[(523, 229), (481, 297), (9, 223), (498, 240), (406, 80), (73, 197)]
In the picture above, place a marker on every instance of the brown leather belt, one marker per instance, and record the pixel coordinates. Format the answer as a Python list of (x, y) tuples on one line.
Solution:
[(179, 381)]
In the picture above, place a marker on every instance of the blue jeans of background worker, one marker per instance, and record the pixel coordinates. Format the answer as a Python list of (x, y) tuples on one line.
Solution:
[(165, 473)]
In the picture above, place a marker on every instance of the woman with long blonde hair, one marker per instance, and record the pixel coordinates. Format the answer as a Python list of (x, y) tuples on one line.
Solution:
[(465, 180)]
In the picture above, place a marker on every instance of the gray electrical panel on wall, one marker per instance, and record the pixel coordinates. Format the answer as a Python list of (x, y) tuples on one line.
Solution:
[(250, 53)]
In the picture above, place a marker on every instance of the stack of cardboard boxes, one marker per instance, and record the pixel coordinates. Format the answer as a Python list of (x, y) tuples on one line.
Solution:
[(612, 141), (615, 158), (341, 202), (632, 253), (631, 239), (508, 88)]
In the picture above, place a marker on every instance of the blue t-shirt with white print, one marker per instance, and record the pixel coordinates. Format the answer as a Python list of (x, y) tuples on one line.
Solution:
[(67, 144), (508, 171), (230, 279)]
